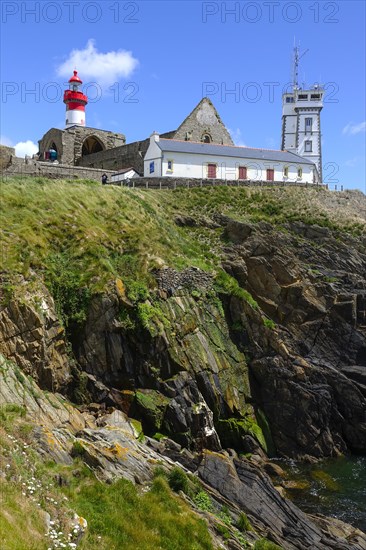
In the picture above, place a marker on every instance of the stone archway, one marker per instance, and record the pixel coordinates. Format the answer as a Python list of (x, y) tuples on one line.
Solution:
[(91, 145)]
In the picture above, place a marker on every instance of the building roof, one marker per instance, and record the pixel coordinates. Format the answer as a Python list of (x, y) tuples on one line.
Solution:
[(171, 145)]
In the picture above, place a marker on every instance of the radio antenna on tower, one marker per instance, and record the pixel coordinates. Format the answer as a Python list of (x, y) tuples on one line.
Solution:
[(295, 67)]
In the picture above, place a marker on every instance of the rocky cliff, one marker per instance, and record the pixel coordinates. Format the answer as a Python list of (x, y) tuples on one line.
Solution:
[(255, 342)]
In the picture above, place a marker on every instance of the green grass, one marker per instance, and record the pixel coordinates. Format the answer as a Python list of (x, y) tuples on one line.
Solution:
[(78, 237), (20, 520), (125, 519), (119, 514), (264, 544)]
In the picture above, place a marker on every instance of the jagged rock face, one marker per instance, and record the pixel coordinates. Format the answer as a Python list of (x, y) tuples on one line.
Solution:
[(32, 336), (192, 370), (314, 287), (184, 372)]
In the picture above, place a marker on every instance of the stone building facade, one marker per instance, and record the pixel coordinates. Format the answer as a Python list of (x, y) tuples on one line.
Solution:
[(100, 149), (76, 142), (202, 124)]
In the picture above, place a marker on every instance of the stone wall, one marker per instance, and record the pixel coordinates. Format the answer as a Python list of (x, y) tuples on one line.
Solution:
[(20, 167), (131, 154), (173, 183), (69, 142), (6, 155)]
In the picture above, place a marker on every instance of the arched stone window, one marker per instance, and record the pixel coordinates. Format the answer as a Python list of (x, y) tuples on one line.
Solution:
[(91, 145), (206, 138)]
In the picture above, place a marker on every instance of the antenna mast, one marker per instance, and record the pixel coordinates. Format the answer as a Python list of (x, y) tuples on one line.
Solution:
[(295, 67)]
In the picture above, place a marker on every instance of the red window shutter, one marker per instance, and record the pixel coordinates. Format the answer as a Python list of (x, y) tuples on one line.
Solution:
[(242, 172), (270, 174), (211, 172)]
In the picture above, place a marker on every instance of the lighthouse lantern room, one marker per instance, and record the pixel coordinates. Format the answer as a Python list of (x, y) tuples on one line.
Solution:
[(75, 102)]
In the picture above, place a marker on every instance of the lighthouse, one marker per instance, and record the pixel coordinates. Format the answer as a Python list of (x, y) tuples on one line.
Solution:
[(75, 102)]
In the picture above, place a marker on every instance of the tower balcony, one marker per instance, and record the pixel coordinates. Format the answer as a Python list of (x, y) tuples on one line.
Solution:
[(75, 97)]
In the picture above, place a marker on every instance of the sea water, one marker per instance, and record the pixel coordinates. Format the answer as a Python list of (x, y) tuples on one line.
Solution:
[(335, 488)]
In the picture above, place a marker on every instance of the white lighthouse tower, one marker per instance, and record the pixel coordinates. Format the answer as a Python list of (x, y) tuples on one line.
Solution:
[(301, 119), (75, 102)]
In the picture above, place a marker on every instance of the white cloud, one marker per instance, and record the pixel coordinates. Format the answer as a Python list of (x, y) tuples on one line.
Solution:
[(237, 137), (352, 129), (25, 148), (104, 68)]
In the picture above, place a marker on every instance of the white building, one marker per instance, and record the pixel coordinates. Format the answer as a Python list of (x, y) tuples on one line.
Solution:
[(301, 108), (124, 175), (188, 159), (301, 124)]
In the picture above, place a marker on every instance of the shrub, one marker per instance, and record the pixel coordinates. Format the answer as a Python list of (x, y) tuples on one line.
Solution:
[(225, 516), (223, 530), (264, 544), (10, 411), (203, 501), (243, 523), (178, 480), (78, 449), (269, 323), (226, 284)]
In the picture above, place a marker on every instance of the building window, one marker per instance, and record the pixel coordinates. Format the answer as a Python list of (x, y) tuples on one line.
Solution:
[(242, 172), (285, 172), (270, 174), (152, 167), (308, 146), (308, 124), (299, 173), (303, 97), (289, 99), (211, 171), (206, 138), (170, 166), (315, 97)]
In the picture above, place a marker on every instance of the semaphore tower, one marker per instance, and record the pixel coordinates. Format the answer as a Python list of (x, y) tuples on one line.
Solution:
[(301, 108)]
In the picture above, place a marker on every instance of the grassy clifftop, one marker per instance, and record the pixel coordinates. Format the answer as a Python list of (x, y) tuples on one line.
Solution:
[(101, 232)]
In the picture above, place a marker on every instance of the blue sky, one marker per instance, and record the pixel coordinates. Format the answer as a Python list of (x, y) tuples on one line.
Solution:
[(153, 61)]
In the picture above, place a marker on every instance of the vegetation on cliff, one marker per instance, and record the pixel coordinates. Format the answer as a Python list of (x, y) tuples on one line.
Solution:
[(215, 317)]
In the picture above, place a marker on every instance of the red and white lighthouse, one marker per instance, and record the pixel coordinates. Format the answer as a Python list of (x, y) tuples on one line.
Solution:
[(75, 102)]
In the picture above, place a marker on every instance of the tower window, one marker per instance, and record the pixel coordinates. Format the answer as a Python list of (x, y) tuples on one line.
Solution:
[(289, 99), (308, 146), (303, 97), (308, 124)]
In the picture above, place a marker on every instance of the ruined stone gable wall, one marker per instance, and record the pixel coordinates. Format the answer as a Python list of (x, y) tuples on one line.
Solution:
[(204, 119), (64, 145), (131, 154), (69, 143)]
